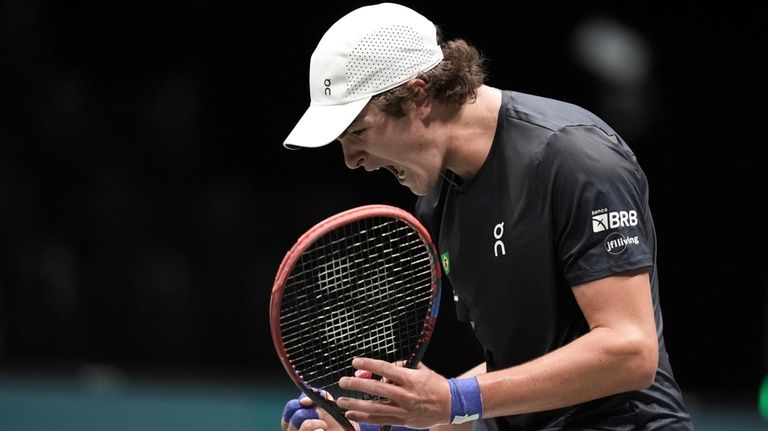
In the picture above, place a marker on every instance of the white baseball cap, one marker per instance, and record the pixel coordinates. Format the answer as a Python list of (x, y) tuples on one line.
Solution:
[(368, 51)]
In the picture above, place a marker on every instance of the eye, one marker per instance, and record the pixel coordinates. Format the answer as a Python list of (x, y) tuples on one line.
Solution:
[(358, 132)]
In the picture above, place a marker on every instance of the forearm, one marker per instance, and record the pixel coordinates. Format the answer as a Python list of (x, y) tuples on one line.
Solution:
[(474, 371), (600, 363), (462, 427)]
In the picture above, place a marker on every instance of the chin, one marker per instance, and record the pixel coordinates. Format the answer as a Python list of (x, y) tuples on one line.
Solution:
[(419, 191), (420, 188)]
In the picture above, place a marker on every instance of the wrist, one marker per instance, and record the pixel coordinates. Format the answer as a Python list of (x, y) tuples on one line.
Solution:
[(466, 401)]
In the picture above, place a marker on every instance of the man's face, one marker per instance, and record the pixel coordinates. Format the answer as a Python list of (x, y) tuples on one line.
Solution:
[(377, 140)]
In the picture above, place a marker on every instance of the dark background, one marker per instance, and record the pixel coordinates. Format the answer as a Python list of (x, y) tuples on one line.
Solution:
[(146, 199)]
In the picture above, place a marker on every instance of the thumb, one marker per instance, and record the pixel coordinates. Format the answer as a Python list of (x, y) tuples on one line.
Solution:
[(307, 402)]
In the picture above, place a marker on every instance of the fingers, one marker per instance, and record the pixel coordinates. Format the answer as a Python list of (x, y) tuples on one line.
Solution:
[(374, 387), (403, 396), (365, 410), (314, 425), (305, 415), (392, 375), (305, 401), (387, 370), (300, 415), (290, 408), (300, 410), (310, 425)]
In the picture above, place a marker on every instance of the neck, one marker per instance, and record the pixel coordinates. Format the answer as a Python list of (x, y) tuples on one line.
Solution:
[(471, 133)]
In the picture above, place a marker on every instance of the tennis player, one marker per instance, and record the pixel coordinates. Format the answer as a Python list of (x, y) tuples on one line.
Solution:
[(540, 213)]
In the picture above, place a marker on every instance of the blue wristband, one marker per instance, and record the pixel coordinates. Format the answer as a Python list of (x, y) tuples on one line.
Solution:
[(466, 402)]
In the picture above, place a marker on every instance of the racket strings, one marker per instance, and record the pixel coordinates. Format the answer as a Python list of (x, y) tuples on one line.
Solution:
[(364, 289)]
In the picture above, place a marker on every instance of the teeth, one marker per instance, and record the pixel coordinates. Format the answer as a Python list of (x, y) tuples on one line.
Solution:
[(401, 175)]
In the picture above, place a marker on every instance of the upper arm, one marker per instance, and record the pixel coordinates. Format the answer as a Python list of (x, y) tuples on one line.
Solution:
[(619, 302)]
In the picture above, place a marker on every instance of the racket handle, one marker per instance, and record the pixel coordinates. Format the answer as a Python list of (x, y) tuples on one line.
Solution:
[(338, 415), (343, 421), (336, 412)]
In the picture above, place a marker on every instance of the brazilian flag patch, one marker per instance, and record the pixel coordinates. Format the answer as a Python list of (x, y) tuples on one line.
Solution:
[(446, 262)]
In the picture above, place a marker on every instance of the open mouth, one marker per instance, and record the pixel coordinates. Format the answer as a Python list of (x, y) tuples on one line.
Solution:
[(399, 173)]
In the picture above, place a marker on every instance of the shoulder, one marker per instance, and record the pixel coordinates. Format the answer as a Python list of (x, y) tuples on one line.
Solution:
[(549, 113)]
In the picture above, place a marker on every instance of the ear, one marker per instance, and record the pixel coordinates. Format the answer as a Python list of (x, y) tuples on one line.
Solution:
[(421, 100)]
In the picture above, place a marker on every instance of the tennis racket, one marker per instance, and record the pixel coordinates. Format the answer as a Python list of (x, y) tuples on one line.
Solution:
[(364, 282)]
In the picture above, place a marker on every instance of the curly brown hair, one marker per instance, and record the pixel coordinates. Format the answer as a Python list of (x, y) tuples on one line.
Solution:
[(454, 80)]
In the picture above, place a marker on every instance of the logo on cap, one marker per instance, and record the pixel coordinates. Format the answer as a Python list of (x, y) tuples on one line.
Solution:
[(327, 84)]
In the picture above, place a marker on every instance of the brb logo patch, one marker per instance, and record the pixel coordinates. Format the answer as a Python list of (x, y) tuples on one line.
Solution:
[(603, 220)]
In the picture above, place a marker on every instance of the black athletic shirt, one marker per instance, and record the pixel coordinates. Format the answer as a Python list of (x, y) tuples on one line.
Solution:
[(560, 201)]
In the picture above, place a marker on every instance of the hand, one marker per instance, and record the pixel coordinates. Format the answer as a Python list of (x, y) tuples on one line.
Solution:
[(418, 398), (300, 414)]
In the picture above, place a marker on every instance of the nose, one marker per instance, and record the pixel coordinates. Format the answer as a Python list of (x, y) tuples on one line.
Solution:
[(353, 158)]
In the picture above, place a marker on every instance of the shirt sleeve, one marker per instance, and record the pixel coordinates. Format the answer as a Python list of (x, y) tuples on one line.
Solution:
[(598, 199)]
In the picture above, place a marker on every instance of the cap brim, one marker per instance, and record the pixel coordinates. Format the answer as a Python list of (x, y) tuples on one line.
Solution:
[(322, 124)]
